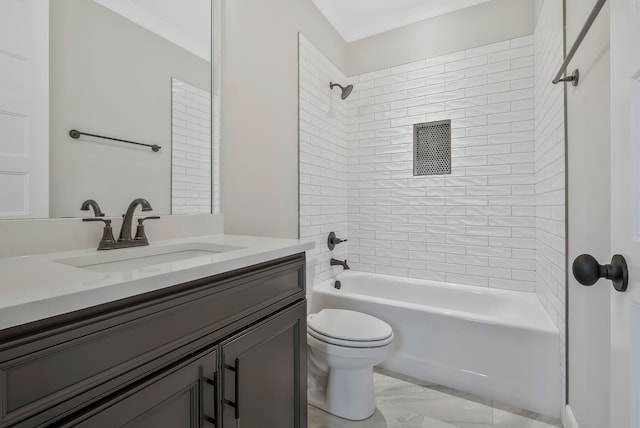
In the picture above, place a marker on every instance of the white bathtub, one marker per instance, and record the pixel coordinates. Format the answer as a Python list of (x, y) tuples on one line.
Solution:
[(497, 344)]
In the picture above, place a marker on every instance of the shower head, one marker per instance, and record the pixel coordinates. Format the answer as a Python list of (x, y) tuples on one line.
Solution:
[(346, 91)]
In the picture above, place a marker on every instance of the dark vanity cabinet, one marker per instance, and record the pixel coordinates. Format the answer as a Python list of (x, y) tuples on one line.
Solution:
[(263, 374), (223, 351)]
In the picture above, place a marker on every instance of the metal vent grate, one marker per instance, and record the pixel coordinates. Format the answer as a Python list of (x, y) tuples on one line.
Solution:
[(432, 148)]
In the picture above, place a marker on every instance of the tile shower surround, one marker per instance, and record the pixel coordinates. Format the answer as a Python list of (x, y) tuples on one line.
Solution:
[(323, 166), (191, 149), (475, 226), (550, 170)]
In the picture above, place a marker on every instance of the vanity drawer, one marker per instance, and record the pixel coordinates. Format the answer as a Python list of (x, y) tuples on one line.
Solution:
[(76, 364)]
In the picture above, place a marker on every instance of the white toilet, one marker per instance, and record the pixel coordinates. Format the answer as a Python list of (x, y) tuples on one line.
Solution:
[(343, 347)]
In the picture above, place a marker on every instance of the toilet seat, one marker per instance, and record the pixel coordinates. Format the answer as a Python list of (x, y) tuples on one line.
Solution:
[(349, 329), (350, 343)]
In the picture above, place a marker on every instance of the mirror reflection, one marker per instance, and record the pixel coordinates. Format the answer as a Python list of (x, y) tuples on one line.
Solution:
[(134, 70)]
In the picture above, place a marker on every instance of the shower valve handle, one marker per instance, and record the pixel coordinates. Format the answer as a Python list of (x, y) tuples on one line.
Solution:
[(332, 240), (587, 271)]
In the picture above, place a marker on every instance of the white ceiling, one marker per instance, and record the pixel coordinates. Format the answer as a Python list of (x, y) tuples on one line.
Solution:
[(357, 19)]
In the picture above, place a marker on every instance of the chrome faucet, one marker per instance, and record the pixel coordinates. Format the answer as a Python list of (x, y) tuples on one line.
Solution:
[(336, 262), (125, 240)]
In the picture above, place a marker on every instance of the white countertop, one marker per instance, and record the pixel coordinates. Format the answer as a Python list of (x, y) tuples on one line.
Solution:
[(36, 287)]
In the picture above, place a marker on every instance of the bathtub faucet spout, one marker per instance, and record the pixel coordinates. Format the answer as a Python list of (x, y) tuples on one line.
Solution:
[(336, 262)]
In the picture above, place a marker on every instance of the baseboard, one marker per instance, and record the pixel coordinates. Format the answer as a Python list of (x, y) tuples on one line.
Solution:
[(568, 419)]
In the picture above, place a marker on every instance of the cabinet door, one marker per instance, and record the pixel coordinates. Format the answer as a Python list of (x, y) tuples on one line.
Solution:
[(182, 396), (264, 370)]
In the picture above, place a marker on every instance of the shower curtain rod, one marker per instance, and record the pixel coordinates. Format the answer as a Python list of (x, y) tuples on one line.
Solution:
[(587, 25)]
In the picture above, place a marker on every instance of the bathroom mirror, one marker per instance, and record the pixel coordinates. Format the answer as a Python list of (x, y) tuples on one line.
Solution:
[(113, 65)]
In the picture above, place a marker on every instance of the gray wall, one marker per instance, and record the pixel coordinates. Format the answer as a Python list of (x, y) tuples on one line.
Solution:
[(588, 174), (479, 25), (260, 110), (111, 77)]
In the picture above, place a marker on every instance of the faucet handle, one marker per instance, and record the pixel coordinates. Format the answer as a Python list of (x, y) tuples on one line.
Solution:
[(106, 221), (107, 241), (140, 234), (333, 240), (152, 217)]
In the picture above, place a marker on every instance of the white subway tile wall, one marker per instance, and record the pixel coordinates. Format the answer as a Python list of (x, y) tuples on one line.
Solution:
[(550, 169), (475, 226), (190, 149), (215, 155), (323, 160)]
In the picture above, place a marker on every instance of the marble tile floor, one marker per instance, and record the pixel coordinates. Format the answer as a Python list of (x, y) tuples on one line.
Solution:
[(404, 402)]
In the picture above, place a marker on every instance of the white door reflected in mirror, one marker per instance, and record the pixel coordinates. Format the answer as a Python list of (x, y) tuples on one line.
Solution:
[(111, 68), (24, 108)]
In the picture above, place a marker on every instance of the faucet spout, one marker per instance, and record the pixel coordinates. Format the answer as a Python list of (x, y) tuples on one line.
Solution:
[(125, 230), (336, 262), (91, 204)]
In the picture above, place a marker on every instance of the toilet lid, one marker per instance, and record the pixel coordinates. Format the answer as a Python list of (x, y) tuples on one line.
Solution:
[(349, 326)]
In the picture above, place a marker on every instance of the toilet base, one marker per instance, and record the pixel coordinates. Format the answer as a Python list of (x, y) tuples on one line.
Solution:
[(349, 394)]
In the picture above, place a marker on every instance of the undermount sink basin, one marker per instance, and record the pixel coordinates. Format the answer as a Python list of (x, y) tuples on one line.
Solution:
[(136, 258)]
